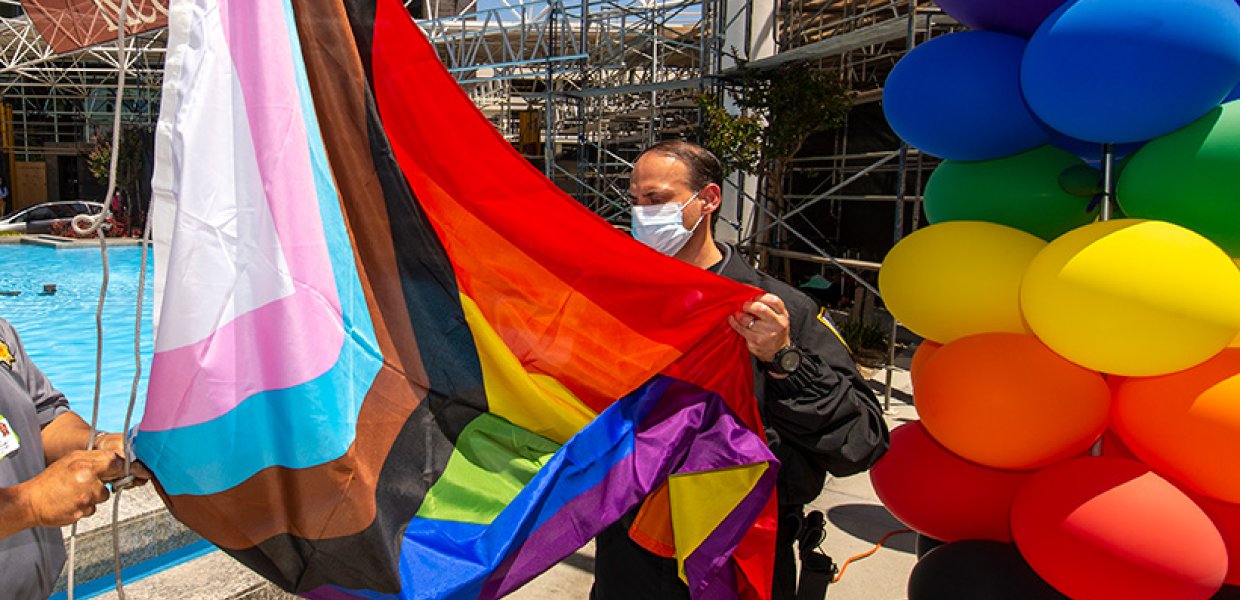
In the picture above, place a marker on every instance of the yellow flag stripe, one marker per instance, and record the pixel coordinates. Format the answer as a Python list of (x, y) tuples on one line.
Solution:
[(701, 501), (532, 401)]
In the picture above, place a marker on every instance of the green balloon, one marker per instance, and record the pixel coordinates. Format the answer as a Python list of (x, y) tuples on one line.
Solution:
[(1021, 191), (1081, 180), (1191, 177)]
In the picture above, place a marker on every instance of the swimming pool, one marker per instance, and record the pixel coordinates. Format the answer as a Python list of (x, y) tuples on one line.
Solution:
[(59, 330)]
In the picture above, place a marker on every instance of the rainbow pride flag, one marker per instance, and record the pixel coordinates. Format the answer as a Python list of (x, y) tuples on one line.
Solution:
[(392, 359)]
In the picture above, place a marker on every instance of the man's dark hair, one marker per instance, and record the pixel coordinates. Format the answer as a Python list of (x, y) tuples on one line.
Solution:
[(704, 167)]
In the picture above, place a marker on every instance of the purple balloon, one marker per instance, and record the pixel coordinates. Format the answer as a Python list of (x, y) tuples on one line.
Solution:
[(1015, 17)]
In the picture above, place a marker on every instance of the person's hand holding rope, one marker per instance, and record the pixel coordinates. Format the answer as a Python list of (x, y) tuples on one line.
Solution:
[(135, 473)]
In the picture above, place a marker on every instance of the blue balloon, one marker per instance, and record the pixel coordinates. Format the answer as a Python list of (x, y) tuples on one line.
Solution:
[(1235, 92), (1131, 70), (1091, 152), (1233, 95), (958, 97)]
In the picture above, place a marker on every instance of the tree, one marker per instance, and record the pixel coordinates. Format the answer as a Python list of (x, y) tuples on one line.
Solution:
[(793, 102), (129, 166)]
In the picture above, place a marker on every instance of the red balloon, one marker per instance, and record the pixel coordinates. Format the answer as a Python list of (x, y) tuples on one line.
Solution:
[(1114, 446), (1104, 528), (1227, 518), (942, 495)]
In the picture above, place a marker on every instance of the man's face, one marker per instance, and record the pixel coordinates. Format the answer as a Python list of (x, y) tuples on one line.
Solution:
[(660, 179)]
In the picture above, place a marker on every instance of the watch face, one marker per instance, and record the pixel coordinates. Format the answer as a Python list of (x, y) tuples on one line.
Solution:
[(790, 360)]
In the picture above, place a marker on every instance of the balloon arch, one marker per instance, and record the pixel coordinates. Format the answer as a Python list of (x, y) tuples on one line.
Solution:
[(1078, 288)]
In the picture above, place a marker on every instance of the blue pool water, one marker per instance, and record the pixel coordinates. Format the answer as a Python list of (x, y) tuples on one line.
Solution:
[(59, 330)]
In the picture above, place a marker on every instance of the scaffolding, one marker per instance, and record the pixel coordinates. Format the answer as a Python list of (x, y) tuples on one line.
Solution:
[(602, 78), (580, 87), (605, 79)]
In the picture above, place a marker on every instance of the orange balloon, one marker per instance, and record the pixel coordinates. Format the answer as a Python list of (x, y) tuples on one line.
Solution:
[(1186, 425), (1006, 401), (924, 351)]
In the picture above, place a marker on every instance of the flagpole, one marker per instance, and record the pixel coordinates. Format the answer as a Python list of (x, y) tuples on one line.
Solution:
[(1108, 182), (1105, 214)]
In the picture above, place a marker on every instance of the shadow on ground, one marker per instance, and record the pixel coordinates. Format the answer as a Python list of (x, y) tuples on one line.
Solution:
[(880, 388), (581, 562), (870, 522)]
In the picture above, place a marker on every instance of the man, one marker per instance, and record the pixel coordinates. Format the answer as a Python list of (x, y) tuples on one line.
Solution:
[(820, 415), (47, 478)]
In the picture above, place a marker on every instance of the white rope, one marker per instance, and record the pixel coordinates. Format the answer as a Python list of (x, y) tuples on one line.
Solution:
[(133, 399), (86, 225)]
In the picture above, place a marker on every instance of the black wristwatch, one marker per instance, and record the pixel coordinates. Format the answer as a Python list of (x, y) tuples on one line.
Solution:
[(785, 362)]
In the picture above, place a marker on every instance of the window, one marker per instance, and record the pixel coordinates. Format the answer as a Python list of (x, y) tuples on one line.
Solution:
[(65, 211), (41, 213)]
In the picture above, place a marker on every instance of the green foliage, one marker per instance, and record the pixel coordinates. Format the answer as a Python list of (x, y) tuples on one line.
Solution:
[(129, 166), (129, 163), (795, 101), (735, 139), (863, 336), (780, 108)]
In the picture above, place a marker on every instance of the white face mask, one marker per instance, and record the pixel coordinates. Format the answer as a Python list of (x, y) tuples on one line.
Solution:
[(662, 226)]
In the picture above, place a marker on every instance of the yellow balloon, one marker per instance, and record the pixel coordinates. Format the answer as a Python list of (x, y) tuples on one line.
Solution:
[(958, 278), (1236, 342), (1133, 297)]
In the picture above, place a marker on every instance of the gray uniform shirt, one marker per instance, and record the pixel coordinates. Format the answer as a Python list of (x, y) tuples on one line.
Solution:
[(30, 560)]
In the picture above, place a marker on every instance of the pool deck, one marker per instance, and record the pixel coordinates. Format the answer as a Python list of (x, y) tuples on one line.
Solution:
[(58, 242), (856, 521)]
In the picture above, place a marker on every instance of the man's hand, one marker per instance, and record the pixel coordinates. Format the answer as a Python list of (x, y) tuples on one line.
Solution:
[(115, 443), (71, 487), (763, 322)]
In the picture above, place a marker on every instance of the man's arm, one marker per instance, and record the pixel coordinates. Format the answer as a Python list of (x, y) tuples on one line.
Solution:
[(61, 495), (14, 511), (67, 432), (62, 430), (824, 409)]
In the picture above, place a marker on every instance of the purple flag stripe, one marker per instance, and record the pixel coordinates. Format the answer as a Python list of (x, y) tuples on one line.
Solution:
[(690, 430)]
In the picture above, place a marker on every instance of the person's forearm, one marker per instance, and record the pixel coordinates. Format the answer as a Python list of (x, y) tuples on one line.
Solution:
[(66, 433), (15, 512)]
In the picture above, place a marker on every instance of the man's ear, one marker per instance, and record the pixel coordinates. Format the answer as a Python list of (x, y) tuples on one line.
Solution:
[(712, 196)]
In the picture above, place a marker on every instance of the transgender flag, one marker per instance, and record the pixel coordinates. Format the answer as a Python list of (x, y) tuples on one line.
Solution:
[(394, 360)]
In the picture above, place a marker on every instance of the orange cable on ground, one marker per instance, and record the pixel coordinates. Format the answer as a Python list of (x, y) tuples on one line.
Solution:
[(871, 551)]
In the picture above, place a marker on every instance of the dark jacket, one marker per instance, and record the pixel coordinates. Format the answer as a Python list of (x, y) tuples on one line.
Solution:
[(823, 418)]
